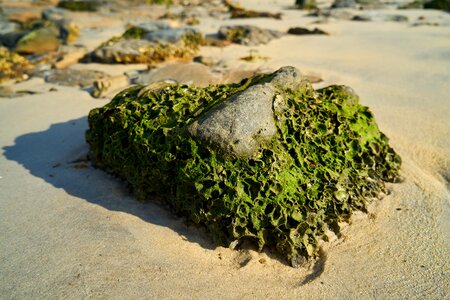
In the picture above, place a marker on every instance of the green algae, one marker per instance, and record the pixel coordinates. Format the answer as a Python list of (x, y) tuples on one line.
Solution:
[(12, 65), (327, 160)]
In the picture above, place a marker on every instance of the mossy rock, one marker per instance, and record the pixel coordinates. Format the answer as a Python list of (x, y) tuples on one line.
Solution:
[(80, 5), (437, 4), (324, 158), (135, 46)]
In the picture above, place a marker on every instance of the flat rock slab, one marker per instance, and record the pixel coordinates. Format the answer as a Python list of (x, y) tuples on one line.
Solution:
[(70, 77), (184, 73)]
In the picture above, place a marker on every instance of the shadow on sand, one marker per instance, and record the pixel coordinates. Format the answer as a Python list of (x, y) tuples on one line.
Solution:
[(56, 155)]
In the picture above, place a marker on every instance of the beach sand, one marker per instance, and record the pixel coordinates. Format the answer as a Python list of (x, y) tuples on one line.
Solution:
[(71, 231)]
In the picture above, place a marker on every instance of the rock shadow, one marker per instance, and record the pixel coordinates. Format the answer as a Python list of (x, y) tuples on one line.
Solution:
[(58, 156)]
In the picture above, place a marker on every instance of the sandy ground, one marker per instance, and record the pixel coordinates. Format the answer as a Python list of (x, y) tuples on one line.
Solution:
[(69, 232)]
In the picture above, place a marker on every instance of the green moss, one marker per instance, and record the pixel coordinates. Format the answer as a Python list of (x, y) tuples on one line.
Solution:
[(327, 159)]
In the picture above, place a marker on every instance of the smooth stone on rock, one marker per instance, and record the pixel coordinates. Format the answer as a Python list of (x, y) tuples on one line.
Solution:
[(183, 73), (39, 41), (242, 123), (247, 34), (286, 78), (72, 77), (305, 31)]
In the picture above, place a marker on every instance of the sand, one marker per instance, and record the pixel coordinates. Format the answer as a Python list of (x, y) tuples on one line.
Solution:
[(73, 232)]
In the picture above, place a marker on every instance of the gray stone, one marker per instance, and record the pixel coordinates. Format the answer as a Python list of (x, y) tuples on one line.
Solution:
[(240, 124), (286, 77), (343, 4), (151, 26), (171, 35), (7, 27), (72, 77), (124, 51), (247, 35), (357, 3)]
